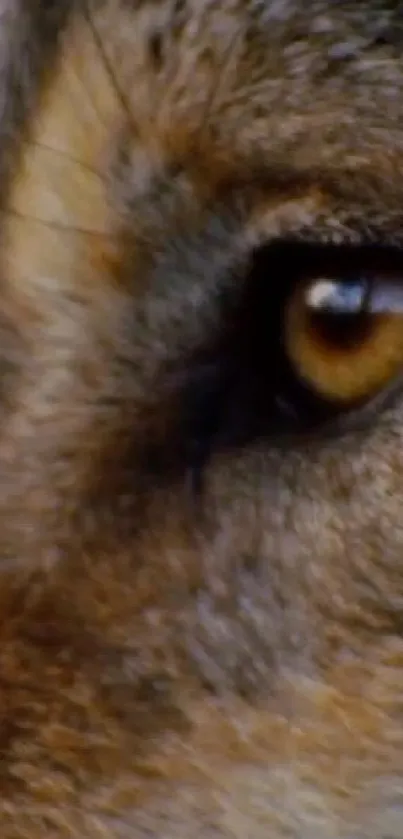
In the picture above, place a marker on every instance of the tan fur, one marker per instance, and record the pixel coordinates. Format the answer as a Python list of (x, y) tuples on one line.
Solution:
[(228, 665)]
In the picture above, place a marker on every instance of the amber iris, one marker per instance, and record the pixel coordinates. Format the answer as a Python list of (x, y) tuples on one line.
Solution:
[(344, 337)]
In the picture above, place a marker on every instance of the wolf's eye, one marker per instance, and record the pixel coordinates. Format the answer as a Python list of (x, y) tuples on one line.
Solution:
[(313, 337), (344, 336)]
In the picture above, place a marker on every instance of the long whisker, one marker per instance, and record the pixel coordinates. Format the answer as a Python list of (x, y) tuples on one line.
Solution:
[(107, 64), (91, 100), (217, 83), (62, 153), (55, 225)]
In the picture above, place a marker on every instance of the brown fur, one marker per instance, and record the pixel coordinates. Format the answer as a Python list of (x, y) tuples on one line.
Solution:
[(228, 666)]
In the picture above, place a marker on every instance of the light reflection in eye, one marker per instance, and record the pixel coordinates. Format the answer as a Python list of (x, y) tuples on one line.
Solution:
[(344, 335), (355, 297)]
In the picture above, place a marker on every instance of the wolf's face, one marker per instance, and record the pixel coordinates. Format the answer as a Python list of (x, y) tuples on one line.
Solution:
[(201, 435)]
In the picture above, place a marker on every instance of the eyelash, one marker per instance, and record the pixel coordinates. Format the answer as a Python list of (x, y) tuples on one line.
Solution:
[(246, 386)]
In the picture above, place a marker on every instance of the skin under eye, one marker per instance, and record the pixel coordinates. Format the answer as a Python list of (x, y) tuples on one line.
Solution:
[(344, 336)]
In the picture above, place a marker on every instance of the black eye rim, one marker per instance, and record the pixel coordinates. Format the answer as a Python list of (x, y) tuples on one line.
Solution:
[(223, 404)]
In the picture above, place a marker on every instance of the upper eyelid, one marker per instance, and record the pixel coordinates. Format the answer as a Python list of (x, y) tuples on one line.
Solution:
[(365, 255)]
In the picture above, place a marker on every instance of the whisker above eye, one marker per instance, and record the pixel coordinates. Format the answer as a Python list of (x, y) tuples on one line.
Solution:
[(62, 153), (218, 82), (56, 225), (116, 86)]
